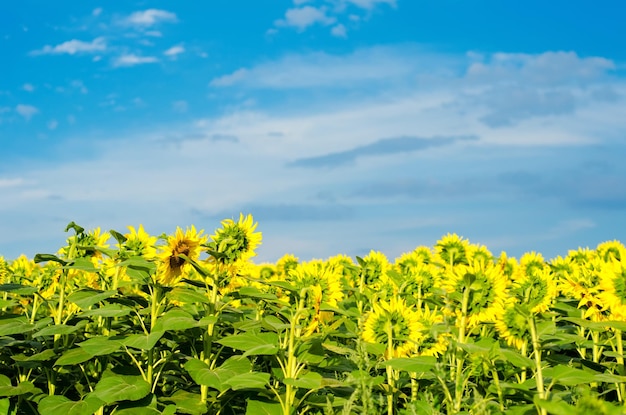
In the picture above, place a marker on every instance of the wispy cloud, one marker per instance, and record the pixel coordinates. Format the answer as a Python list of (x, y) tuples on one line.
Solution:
[(149, 17), (174, 51), (28, 87), (339, 30), (132, 60), (370, 4), (385, 146), (26, 111), (73, 47)]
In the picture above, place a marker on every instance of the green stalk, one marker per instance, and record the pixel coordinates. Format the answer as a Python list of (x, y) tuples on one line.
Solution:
[(205, 356), (460, 359), (390, 374), (537, 354), (620, 363)]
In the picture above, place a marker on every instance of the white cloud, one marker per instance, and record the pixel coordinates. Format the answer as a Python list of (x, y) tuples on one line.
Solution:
[(150, 17), (11, 182), (132, 60), (28, 87), (26, 111), (339, 30), (153, 33), (96, 12), (52, 125), (304, 17), (319, 69), (78, 84), (180, 106), (73, 47), (174, 51)]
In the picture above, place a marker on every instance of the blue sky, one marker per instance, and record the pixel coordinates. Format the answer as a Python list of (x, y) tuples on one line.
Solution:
[(341, 125)]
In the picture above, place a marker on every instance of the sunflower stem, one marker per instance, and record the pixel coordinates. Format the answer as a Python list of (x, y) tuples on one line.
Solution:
[(620, 363), (537, 354), (460, 359), (390, 375)]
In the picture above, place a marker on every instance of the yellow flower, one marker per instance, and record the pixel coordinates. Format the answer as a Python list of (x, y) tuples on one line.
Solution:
[(533, 283), (395, 326), (611, 250), (487, 287), (512, 324), (285, 264), (171, 265), (140, 243), (373, 270), (434, 341), (613, 289), (451, 250), (235, 240)]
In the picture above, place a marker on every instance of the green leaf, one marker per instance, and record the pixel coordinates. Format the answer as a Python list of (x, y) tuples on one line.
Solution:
[(176, 320), (56, 329), (515, 358), (82, 264), (85, 298), (250, 380), (18, 289), (118, 236), (218, 378), (187, 296), (60, 405), (114, 388), (556, 407), (263, 408), (48, 257), (21, 389), (142, 341), (73, 357), (253, 292), (412, 364), (252, 343), (568, 376), (43, 356), (187, 402), (310, 380), (100, 345), (109, 310), (13, 324)]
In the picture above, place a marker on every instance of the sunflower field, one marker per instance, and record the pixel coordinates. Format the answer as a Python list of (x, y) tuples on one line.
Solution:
[(187, 323)]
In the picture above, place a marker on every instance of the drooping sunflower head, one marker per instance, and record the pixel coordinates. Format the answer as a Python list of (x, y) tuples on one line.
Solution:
[(171, 264), (140, 243), (486, 288), (345, 266), (451, 250), (580, 255), (285, 264), (611, 250), (86, 245), (373, 269), (321, 281), (534, 284), (507, 265), (479, 255), (435, 338), (419, 278), (613, 289), (394, 325), (512, 324), (235, 240)]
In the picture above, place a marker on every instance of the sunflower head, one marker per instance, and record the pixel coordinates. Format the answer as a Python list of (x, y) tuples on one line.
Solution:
[(512, 324), (85, 244), (286, 263), (435, 339), (452, 250), (171, 264), (395, 326), (479, 255), (534, 284), (611, 250), (373, 269), (235, 240), (580, 256), (139, 243)]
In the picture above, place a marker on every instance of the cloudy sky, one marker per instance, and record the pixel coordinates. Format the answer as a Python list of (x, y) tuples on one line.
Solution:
[(341, 125)]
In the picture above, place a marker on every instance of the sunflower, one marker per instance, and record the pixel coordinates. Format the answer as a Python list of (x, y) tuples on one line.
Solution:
[(395, 326), (86, 245), (235, 240), (373, 270), (533, 283), (451, 250), (434, 340), (171, 265), (612, 293), (322, 285), (140, 243), (512, 324), (487, 287), (479, 255), (285, 264), (611, 250), (418, 277)]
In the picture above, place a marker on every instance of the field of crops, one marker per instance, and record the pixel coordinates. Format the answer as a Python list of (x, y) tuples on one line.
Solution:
[(187, 323)]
